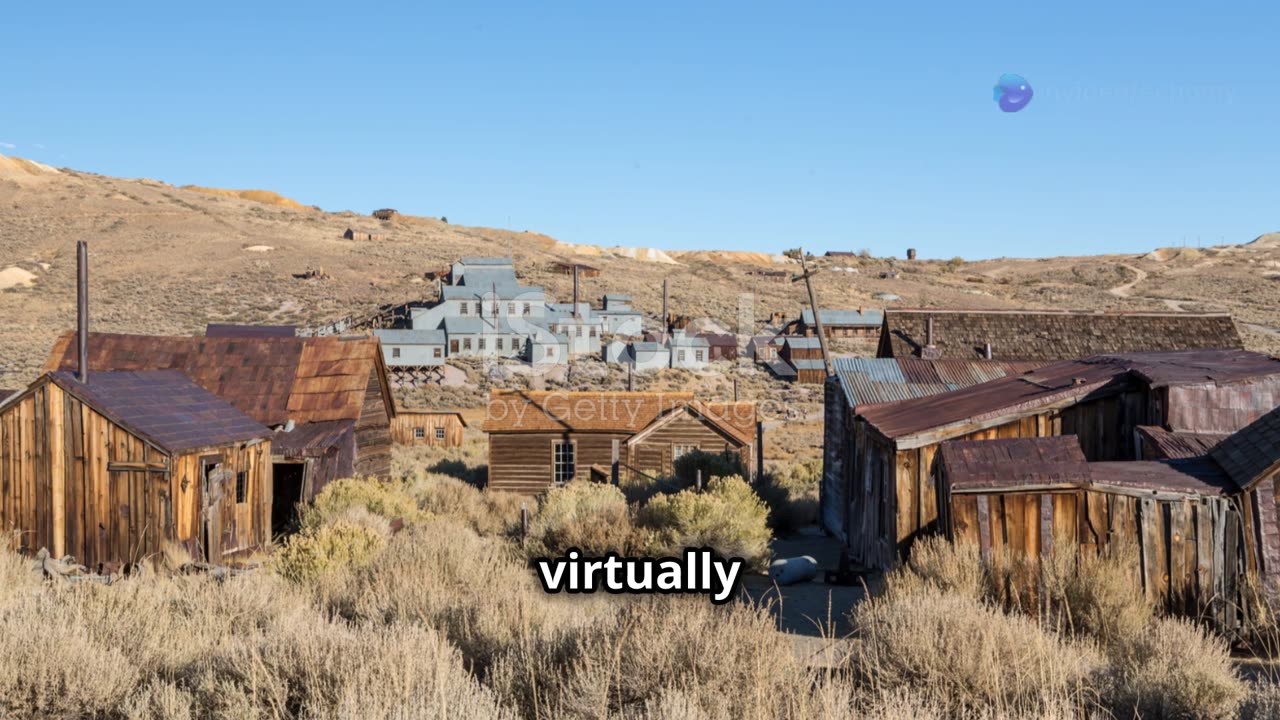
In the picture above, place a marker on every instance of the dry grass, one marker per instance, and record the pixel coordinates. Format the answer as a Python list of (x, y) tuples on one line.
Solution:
[(727, 517)]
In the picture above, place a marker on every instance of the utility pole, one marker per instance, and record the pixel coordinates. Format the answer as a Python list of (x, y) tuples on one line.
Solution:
[(807, 277)]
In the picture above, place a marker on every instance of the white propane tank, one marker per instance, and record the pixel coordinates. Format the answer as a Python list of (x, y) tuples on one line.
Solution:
[(789, 571)]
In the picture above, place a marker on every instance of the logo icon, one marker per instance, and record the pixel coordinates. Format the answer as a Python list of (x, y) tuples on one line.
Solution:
[(1013, 92)]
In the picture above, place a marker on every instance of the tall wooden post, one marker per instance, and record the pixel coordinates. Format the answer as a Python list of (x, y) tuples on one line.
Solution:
[(817, 316), (82, 310), (759, 449), (666, 298)]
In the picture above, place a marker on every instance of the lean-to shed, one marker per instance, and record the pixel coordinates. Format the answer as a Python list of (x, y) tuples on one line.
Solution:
[(108, 471)]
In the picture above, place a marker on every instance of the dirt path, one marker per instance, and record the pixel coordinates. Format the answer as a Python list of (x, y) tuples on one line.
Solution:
[(1125, 290)]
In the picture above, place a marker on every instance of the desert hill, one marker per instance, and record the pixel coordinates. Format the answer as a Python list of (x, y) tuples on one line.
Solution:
[(166, 259)]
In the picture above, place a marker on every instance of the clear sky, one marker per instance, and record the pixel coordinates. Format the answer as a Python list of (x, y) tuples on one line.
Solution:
[(731, 125)]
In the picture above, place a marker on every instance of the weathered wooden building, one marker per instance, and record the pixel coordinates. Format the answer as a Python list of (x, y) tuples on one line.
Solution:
[(857, 323), (887, 451), (1047, 334), (541, 439), (353, 234), (804, 356), (109, 470), (428, 427), (327, 398), (566, 267), (1020, 499)]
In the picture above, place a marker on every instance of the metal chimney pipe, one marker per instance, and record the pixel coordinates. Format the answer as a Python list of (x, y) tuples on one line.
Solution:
[(82, 310), (986, 351)]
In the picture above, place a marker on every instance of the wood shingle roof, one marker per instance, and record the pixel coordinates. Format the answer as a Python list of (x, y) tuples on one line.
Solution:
[(1049, 334)]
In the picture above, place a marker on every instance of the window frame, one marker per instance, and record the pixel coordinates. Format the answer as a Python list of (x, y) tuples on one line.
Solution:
[(419, 433), (395, 352), (557, 463), (440, 433), (242, 487)]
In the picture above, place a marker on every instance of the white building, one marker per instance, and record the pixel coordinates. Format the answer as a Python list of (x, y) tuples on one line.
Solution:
[(619, 317), (645, 356), (412, 348), (688, 351)]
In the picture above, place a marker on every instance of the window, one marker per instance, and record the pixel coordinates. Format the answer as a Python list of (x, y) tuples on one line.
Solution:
[(680, 355), (499, 343), (466, 343), (395, 352), (242, 487), (478, 312), (437, 352), (562, 458), (482, 343), (551, 351), (679, 451), (511, 308), (495, 308), (439, 433), (419, 433), (592, 332), (527, 308), (580, 331), (464, 309), (697, 355)]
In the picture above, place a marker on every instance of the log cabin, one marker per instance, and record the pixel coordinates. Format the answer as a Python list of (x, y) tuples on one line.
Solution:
[(538, 440), (111, 469), (327, 398), (428, 427), (887, 496), (1047, 335)]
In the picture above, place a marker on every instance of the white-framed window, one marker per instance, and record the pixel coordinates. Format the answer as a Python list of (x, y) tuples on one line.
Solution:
[(526, 308), (680, 355), (466, 343), (679, 451), (697, 355), (464, 309), (395, 352), (498, 344), (551, 351), (419, 433), (511, 308), (482, 343), (563, 461), (439, 433), (437, 352)]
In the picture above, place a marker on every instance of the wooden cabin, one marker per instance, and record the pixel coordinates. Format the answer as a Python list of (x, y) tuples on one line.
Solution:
[(428, 427), (327, 398), (804, 355), (538, 440), (109, 470), (887, 451), (857, 323), (1047, 335), (386, 214), (720, 346), (1019, 499), (353, 234), (564, 267)]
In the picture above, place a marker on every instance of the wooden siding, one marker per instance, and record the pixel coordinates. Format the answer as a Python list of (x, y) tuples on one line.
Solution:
[(78, 484), (1193, 556), (522, 462), (404, 424), (652, 456), (892, 494), (373, 432)]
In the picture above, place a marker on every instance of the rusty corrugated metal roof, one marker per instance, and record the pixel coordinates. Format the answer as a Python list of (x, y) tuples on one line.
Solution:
[(1052, 334), (1077, 379), (870, 381), (163, 407), (272, 380), (1013, 463)]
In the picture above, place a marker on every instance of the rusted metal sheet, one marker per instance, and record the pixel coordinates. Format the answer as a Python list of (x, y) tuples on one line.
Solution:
[(1252, 454), (1186, 476), (972, 465), (1161, 444)]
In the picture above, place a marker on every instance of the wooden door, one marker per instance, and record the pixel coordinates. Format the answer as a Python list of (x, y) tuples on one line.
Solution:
[(212, 489)]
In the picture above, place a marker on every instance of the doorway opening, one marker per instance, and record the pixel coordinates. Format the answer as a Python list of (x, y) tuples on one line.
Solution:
[(286, 494)]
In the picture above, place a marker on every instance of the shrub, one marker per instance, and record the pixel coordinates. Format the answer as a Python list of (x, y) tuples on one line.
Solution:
[(592, 517), (488, 513), (318, 551), (1177, 670), (728, 517), (943, 567), (791, 493), (968, 654), (390, 499), (712, 465)]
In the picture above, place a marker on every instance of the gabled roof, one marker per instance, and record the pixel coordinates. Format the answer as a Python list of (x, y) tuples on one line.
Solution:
[(738, 418), (249, 331), (272, 380), (485, 261), (1168, 445), (423, 411), (553, 411), (1049, 334), (801, 341), (410, 337), (162, 407), (1014, 463), (1252, 454), (1065, 383)]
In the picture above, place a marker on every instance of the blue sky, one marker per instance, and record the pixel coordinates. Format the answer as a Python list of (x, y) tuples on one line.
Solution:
[(682, 125)]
